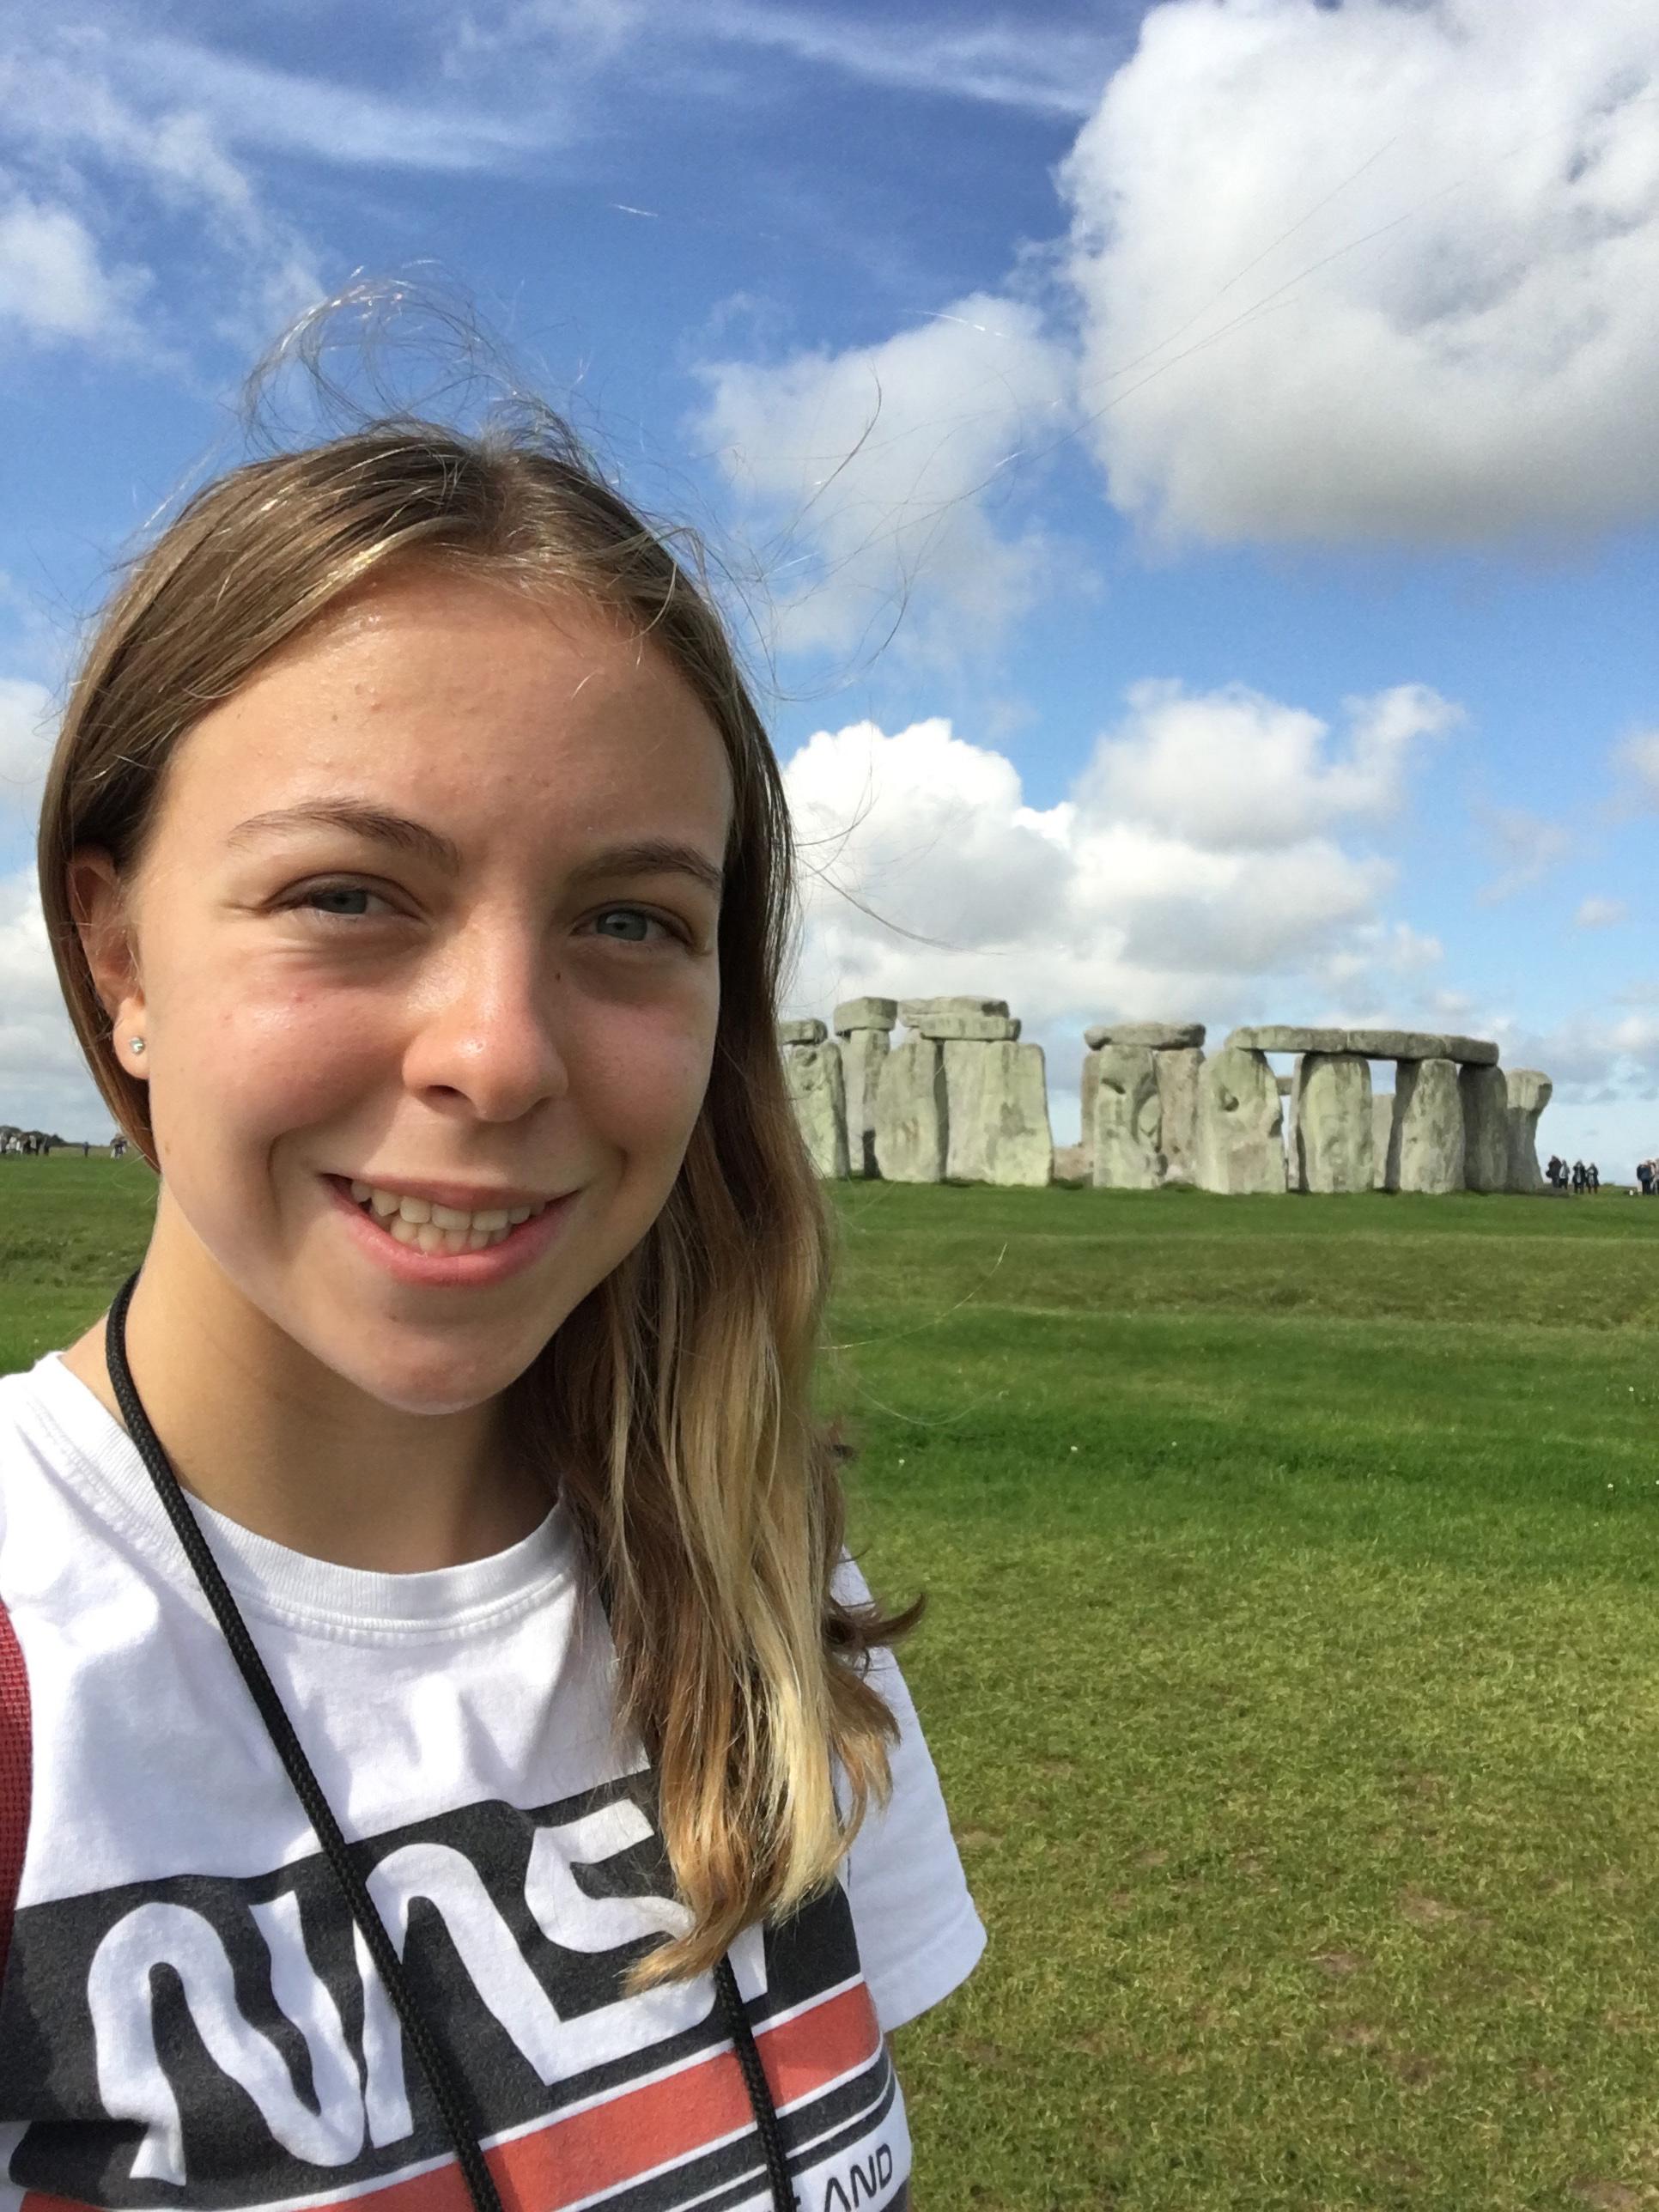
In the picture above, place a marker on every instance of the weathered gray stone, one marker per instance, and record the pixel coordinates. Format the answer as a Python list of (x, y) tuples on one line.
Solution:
[(962, 1029), (1529, 1093), (815, 1086), (854, 1014), (1425, 1145), (1087, 1088), (1071, 1168), (1241, 1122), (806, 1032), (1156, 1036), (1333, 1125), (997, 1114), (1368, 1044), (910, 1113), (1381, 1131), (862, 1052), (1281, 1036), (1485, 1095), (1128, 1152), (1422, 1044), (912, 1011), (1178, 1069)]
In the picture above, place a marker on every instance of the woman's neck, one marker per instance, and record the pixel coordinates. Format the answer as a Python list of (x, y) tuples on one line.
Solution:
[(264, 1433)]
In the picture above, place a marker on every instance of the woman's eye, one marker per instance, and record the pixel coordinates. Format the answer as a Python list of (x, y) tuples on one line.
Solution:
[(628, 924), (332, 901)]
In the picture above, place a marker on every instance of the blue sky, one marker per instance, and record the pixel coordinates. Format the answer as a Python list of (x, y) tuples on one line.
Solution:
[(1190, 470)]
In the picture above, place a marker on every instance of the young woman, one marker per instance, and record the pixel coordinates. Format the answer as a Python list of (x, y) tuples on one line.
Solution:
[(446, 1754)]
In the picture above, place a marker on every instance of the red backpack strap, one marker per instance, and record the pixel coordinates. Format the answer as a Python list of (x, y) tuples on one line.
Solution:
[(17, 1772)]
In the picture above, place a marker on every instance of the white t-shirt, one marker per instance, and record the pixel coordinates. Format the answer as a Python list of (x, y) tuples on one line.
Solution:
[(188, 2017)]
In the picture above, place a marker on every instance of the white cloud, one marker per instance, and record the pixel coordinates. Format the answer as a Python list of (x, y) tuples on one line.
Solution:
[(104, 127), (26, 743), (1044, 67), (1232, 768), (1119, 899), (54, 286), (1041, 66), (879, 473), (1528, 845), (1600, 913), (45, 1084), (1375, 272), (1636, 762)]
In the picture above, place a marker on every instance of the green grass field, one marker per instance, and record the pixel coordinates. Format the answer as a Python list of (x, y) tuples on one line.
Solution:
[(1292, 1667)]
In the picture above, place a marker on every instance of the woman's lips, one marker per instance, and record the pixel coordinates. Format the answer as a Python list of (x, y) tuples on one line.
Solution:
[(407, 1263)]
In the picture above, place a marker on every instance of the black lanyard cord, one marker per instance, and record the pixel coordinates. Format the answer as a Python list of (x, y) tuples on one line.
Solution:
[(447, 2088)]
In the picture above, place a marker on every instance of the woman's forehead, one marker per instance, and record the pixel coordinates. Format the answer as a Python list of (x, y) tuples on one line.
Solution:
[(472, 699)]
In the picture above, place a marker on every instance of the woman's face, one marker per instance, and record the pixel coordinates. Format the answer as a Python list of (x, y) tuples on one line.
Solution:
[(506, 993)]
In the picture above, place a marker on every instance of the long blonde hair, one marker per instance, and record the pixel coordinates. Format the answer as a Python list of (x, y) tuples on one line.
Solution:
[(674, 1401)]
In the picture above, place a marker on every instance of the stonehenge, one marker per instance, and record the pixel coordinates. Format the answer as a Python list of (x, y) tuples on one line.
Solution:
[(960, 1098)]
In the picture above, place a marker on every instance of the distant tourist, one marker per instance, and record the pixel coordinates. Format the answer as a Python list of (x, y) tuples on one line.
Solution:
[(1644, 1176)]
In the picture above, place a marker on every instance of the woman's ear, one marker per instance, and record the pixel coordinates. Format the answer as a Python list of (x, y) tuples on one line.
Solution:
[(97, 900)]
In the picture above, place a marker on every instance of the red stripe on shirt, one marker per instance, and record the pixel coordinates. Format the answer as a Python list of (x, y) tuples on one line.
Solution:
[(662, 2123), (16, 1775)]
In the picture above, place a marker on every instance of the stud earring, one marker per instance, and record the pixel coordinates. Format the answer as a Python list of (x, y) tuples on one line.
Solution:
[(138, 1044)]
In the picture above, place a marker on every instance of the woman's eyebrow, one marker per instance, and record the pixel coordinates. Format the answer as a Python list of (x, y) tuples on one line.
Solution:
[(362, 820), (654, 856), (646, 856)]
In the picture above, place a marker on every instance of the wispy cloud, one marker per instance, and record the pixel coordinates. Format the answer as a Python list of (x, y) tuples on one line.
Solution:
[(1049, 70), (255, 106)]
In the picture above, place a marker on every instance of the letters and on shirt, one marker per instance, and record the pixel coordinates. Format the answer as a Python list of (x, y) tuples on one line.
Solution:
[(187, 2016)]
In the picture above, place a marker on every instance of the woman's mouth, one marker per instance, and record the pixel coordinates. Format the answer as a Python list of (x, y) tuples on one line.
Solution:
[(419, 1243), (430, 1228)]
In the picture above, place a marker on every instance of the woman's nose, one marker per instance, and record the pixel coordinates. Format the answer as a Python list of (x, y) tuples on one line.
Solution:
[(487, 1028)]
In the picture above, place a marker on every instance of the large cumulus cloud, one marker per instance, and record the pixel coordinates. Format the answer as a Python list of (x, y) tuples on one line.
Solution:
[(1374, 272)]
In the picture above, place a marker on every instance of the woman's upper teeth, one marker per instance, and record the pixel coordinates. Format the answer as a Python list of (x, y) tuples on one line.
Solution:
[(386, 1203)]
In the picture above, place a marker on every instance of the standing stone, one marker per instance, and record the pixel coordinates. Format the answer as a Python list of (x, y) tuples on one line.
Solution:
[(817, 1089), (1088, 1086), (865, 1027), (1486, 1094), (1128, 1120), (1426, 1147), (862, 1052), (1177, 1069), (1071, 1168), (1382, 1132), (1334, 1154), (1529, 1093), (1241, 1125), (997, 1128), (910, 1113)]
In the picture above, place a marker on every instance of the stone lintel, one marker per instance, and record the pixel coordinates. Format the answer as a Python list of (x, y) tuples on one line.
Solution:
[(1282, 1036), (1153, 1037), (1422, 1044), (962, 1029), (914, 1012), (865, 1014), (811, 1032)]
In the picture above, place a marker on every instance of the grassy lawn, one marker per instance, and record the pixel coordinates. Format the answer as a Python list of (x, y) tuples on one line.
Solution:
[(1293, 1668)]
